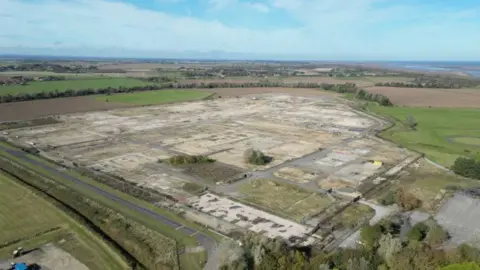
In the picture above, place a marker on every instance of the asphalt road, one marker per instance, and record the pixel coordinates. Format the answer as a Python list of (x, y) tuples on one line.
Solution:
[(205, 241)]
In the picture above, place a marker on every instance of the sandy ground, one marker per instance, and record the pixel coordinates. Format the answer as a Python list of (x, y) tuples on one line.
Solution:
[(423, 97)]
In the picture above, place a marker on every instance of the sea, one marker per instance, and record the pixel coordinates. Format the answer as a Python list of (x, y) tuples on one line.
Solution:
[(469, 68)]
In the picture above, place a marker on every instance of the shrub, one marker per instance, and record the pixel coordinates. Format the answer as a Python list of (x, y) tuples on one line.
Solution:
[(187, 159), (387, 199), (256, 157), (467, 167), (418, 232), (407, 200), (436, 235), (370, 235)]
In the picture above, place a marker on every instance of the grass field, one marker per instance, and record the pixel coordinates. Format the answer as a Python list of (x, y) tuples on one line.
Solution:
[(182, 239), (435, 128), (155, 97), (36, 87), (284, 199), (29, 219)]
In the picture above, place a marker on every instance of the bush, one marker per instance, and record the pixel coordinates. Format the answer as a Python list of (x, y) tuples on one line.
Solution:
[(387, 199), (407, 200), (418, 232), (436, 236), (187, 159), (467, 167), (256, 157), (370, 235)]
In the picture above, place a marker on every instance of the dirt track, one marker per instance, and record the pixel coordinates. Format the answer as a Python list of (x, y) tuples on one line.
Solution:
[(27, 110), (424, 97)]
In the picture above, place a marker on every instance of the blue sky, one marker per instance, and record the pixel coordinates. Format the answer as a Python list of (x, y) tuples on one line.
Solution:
[(283, 29)]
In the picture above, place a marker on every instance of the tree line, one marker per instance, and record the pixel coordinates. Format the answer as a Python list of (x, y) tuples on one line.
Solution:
[(45, 66), (385, 246), (338, 88)]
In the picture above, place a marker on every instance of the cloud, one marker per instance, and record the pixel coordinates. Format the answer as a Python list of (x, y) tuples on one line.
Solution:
[(326, 29)]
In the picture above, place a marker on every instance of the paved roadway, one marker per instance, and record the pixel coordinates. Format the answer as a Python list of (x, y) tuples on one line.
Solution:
[(205, 241)]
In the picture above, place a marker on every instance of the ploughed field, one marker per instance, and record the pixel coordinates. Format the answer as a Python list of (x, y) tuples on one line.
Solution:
[(428, 97), (26, 110)]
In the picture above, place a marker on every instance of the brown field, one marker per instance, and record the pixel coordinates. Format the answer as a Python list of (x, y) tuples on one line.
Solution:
[(422, 97), (27, 110)]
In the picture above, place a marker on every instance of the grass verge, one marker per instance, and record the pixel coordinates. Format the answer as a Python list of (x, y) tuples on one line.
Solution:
[(29, 221)]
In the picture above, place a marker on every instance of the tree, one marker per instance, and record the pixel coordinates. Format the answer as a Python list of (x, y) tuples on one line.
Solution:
[(370, 235), (418, 232), (467, 167), (389, 246), (256, 157), (436, 236), (407, 200)]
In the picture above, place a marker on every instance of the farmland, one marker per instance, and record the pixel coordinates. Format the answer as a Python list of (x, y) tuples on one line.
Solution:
[(37, 87), (28, 221), (27, 110), (427, 97), (155, 97), (434, 131)]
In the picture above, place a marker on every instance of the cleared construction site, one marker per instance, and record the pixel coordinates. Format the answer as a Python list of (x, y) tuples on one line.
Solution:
[(320, 148)]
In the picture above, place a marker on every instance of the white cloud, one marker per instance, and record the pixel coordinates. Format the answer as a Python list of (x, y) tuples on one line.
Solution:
[(330, 29)]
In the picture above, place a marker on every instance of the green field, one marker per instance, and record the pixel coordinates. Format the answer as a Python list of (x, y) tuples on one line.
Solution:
[(32, 221), (155, 97), (436, 131), (36, 87)]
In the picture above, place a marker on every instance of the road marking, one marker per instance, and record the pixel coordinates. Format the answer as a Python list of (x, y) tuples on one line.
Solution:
[(178, 228)]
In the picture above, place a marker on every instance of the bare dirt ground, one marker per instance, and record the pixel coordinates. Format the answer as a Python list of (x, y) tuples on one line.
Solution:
[(422, 97), (27, 110)]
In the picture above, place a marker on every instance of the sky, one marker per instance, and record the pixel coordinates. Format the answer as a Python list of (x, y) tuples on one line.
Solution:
[(258, 29)]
